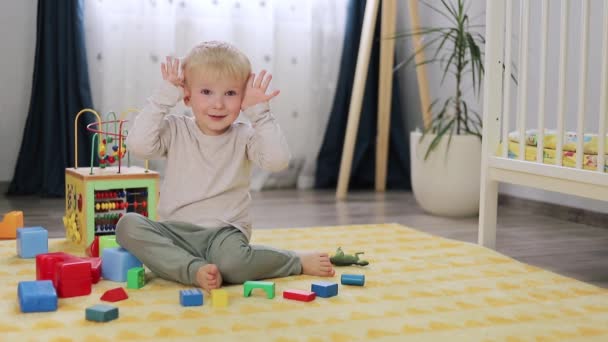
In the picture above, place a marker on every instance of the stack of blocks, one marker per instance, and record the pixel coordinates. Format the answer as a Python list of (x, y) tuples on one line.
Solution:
[(116, 262), (32, 241), (107, 241), (46, 265)]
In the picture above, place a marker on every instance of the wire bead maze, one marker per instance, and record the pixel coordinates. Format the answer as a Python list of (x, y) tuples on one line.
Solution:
[(111, 145)]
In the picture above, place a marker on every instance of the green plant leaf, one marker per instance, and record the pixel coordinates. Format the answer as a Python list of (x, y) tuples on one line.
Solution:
[(438, 137)]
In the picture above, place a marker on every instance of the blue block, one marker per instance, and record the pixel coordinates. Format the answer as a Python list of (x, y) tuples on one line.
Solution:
[(101, 313), (353, 279), (37, 296), (116, 263), (32, 241), (324, 289), (191, 297)]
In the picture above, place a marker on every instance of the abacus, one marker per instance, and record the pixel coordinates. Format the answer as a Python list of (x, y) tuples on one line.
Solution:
[(98, 196)]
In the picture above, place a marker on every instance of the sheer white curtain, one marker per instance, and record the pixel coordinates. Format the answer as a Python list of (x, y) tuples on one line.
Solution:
[(298, 41)]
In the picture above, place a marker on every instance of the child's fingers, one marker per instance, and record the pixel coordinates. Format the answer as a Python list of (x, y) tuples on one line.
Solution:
[(266, 82), (163, 70), (272, 95), (250, 80), (175, 66), (258, 80)]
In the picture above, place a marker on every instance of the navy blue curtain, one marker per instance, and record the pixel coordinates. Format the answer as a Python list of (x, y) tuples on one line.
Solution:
[(330, 154), (60, 89)]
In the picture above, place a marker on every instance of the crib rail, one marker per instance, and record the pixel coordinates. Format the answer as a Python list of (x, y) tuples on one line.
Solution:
[(525, 83), (500, 92)]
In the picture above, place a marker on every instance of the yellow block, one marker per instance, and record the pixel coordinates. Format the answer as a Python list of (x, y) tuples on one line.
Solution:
[(219, 298)]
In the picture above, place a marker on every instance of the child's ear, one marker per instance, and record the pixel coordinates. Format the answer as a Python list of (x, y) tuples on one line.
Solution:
[(187, 96)]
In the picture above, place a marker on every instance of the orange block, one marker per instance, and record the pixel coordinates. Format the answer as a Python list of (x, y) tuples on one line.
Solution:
[(10, 223)]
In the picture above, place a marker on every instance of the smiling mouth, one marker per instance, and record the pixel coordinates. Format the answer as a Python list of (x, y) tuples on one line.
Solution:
[(217, 116)]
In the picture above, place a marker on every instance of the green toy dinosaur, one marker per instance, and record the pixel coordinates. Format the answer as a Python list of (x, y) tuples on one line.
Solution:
[(341, 259)]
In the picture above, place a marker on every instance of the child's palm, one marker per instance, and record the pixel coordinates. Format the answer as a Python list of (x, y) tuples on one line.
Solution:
[(255, 92)]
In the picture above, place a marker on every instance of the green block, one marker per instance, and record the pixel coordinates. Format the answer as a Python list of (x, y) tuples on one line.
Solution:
[(101, 313), (107, 241), (267, 286), (136, 278)]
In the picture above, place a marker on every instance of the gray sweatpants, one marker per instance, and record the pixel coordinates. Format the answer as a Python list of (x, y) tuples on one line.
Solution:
[(176, 250)]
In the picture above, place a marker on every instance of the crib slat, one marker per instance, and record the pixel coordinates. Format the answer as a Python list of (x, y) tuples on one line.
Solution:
[(563, 63), (507, 80), (582, 86), (522, 96), (543, 82), (601, 152)]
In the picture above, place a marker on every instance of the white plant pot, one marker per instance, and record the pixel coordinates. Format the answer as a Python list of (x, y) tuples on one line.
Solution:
[(447, 183)]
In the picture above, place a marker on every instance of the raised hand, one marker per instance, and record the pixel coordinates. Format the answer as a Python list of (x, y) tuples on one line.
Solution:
[(255, 91), (171, 71)]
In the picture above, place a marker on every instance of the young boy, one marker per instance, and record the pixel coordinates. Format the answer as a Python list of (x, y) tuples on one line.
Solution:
[(202, 237)]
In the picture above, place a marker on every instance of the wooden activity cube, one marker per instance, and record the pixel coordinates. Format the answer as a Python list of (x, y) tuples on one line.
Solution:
[(95, 202)]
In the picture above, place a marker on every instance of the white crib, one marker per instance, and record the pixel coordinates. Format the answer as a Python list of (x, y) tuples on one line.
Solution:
[(497, 167)]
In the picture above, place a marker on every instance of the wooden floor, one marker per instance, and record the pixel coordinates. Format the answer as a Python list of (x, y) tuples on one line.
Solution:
[(571, 249)]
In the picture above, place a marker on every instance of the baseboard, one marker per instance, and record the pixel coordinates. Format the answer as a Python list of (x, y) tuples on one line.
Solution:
[(570, 214)]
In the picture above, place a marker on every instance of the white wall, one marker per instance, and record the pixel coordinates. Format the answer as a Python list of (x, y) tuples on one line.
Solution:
[(18, 41), (411, 102)]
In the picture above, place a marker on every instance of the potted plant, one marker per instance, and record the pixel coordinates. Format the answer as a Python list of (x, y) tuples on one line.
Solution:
[(446, 154)]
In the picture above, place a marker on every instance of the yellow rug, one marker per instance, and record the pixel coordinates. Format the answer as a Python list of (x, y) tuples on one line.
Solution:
[(418, 287)]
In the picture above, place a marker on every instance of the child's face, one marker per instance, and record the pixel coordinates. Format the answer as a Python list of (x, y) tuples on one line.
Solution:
[(216, 103)]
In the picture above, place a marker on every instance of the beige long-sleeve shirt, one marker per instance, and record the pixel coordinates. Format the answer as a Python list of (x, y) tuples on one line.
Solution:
[(207, 178)]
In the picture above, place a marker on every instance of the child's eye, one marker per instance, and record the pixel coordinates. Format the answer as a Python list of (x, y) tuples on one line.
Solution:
[(231, 93), (206, 91)]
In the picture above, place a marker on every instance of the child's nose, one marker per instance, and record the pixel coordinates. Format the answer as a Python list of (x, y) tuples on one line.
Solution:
[(219, 102)]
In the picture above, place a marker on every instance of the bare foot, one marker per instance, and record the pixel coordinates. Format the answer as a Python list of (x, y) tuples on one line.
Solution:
[(316, 264), (209, 277)]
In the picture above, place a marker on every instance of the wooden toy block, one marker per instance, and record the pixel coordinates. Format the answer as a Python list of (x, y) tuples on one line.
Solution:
[(136, 278), (107, 241), (353, 279), (93, 249), (101, 313), (324, 289), (45, 265), (11, 221), (73, 278), (267, 286), (116, 262), (114, 295), (191, 297), (37, 296), (32, 241), (299, 295), (219, 298)]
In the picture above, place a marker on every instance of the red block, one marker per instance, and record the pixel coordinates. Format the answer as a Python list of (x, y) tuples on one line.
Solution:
[(93, 249), (302, 296), (45, 265), (72, 278), (114, 295), (95, 269)]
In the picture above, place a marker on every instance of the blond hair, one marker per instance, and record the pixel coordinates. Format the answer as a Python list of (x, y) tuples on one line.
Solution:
[(217, 59)]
